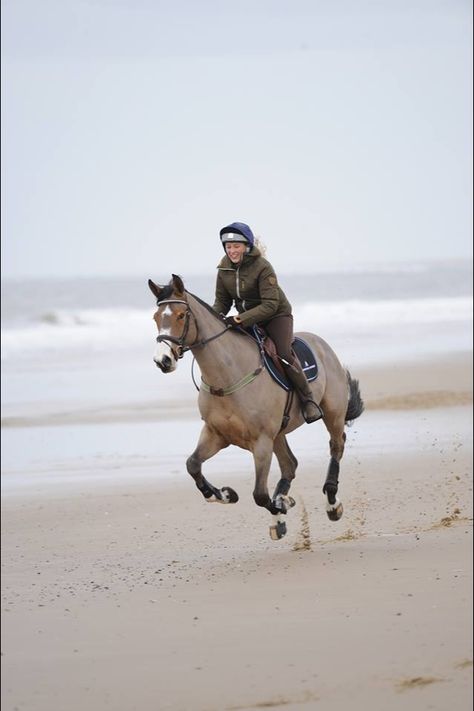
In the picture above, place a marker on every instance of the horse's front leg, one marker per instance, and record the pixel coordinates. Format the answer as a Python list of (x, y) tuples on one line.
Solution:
[(209, 444), (287, 463), (262, 454)]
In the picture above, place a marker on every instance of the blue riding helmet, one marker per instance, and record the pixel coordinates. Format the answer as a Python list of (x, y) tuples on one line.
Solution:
[(237, 232)]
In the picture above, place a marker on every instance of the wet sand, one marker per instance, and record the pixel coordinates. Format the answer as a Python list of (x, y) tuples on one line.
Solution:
[(128, 591)]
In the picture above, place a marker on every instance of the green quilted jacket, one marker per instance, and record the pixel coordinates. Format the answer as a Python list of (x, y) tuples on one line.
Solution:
[(252, 287)]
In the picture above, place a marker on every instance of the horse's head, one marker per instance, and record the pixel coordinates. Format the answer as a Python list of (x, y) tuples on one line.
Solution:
[(172, 319)]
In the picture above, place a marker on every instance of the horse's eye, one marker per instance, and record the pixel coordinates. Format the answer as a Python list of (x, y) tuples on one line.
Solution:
[(180, 316)]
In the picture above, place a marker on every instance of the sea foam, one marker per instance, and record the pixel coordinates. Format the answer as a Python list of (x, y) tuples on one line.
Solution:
[(100, 330)]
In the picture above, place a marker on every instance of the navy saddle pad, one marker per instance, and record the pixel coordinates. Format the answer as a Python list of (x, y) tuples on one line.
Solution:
[(305, 356)]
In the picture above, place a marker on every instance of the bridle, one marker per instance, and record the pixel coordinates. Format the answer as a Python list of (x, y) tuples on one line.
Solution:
[(182, 347)]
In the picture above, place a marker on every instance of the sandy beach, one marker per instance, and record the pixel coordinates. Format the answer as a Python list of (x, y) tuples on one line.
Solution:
[(124, 590)]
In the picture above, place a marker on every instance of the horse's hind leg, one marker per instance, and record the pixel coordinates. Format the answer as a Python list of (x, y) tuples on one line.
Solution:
[(335, 427), (208, 445), (287, 463)]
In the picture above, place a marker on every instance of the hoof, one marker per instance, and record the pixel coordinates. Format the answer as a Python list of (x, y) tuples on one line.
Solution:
[(278, 531), (334, 514), (229, 495), (226, 495)]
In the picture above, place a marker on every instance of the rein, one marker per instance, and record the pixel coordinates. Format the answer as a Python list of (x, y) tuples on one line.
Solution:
[(183, 348)]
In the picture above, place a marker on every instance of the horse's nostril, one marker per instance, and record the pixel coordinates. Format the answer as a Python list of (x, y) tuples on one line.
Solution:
[(166, 361)]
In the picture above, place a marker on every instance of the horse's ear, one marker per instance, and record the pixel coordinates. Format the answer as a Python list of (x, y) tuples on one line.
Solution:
[(156, 289), (178, 285)]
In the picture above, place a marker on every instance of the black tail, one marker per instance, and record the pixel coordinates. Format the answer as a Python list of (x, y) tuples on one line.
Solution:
[(355, 406)]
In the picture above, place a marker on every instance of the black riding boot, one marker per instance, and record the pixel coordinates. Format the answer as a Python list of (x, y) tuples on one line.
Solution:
[(311, 410)]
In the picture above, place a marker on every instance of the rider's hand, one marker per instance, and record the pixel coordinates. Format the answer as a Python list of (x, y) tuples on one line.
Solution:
[(232, 321)]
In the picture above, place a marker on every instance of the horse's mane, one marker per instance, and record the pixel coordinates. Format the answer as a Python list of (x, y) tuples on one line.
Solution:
[(206, 306), (239, 331)]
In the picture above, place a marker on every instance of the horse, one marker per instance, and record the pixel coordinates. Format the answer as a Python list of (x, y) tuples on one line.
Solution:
[(242, 405)]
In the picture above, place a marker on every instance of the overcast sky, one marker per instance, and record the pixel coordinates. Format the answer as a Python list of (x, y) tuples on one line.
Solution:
[(132, 130)]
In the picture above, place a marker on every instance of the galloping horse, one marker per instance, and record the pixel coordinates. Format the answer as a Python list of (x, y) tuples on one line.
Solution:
[(242, 405)]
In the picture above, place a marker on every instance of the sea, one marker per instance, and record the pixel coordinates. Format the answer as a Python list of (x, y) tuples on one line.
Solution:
[(85, 346), (58, 323)]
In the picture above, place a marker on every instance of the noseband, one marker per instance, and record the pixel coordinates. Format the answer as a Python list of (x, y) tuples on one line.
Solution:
[(182, 348)]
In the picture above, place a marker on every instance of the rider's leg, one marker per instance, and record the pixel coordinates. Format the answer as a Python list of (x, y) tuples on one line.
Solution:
[(280, 330)]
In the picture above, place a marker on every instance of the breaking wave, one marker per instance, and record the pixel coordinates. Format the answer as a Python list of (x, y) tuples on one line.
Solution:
[(126, 328)]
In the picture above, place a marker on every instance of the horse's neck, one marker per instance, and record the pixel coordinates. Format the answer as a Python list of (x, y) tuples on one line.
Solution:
[(231, 354)]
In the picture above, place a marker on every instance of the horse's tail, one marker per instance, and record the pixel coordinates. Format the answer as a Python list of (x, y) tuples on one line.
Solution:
[(355, 406)]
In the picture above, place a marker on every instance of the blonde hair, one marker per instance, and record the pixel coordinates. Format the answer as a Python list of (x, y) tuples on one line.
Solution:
[(261, 246)]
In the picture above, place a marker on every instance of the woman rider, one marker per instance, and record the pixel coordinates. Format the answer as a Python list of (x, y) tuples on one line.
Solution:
[(248, 280)]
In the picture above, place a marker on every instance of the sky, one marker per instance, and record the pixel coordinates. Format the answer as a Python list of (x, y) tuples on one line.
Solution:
[(133, 130)]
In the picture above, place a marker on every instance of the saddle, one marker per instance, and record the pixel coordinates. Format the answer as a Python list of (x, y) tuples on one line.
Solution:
[(300, 350)]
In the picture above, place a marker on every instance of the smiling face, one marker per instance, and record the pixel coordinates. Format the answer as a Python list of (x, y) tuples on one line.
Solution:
[(235, 251)]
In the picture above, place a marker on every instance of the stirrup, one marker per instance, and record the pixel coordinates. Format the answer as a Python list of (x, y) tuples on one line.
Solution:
[(309, 420)]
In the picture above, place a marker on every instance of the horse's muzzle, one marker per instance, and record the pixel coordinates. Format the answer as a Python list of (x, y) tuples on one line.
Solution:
[(165, 364)]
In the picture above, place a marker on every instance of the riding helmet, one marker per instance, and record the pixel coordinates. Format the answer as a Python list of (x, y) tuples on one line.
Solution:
[(237, 232)]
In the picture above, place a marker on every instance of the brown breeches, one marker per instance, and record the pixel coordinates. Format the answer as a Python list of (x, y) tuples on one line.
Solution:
[(280, 330)]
